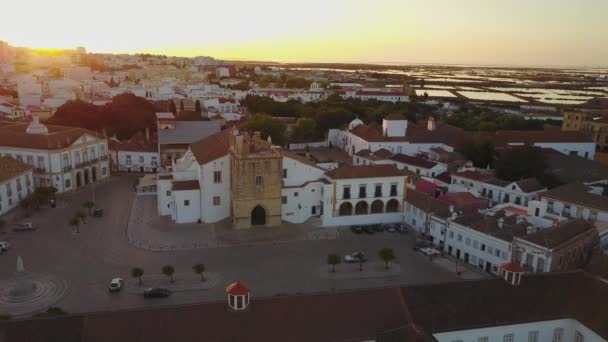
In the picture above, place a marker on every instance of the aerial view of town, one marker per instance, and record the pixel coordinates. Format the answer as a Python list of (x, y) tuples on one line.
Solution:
[(387, 171)]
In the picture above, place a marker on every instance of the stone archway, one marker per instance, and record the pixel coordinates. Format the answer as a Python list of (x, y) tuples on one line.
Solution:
[(258, 216), (377, 207), (362, 208), (78, 179), (392, 206), (346, 209)]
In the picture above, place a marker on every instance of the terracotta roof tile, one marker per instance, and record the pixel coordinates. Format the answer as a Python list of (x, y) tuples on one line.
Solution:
[(10, 167), (185, 185), (59, 137), (415, 161), (212, 147), (564, 231)]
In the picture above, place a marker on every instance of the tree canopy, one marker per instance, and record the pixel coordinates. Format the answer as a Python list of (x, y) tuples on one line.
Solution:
[(521, 162), (472, 118), (481, 153), (124, 116), (268, 126)]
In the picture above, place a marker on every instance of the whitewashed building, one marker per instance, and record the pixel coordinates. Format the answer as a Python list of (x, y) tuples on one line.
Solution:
[(63, 157), (16, 182)]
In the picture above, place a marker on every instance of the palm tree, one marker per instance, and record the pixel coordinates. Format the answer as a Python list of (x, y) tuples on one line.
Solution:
[(333, 260), (168, 270), (199, 269), (89, 205), (81, 216), (137, 272), (387, 254), (75, 222)]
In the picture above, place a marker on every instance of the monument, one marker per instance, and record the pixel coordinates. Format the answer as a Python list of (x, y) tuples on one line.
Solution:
[(23, 285)]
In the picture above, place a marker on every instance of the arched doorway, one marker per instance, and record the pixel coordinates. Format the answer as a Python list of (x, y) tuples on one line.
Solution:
[(258, 216), (392, 206), (361, 208), (86, 176), (78, 179), (377, 207), (346, 209), (94, 173)]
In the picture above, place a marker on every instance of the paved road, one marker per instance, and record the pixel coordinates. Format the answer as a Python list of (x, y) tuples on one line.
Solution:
[(89, 259)]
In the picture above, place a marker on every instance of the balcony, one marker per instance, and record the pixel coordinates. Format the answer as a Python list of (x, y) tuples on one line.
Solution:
[(67, 168), (87, 163)]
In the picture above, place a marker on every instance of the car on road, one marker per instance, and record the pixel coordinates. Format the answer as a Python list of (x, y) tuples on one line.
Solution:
[(355, 257), (115, 285), (24, 227), (4, 246), (390, 228), (378, 228), (356, 229), (419, 244), (156, 292), (430, 251), (368, 230)]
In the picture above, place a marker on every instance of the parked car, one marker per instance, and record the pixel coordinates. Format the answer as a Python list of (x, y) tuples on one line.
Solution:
[(378, 228), (4, 246), (24, 227), (156, 292), (115, 285), (430, 251), (401, 229), (390, 228), (419, 244), (368, 229), (355, 257), (356, 229)]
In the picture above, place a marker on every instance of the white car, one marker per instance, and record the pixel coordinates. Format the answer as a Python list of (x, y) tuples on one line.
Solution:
[(355, 257), (115, 285), (430, 251), (4, 246)]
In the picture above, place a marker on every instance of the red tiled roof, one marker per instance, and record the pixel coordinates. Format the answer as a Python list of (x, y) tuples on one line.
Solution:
[(512, 267), (425, 186), (212, 147), (226, 100), (237, 289), (464, 200), (185, 185), (474, 175), (416, 161), (10, 167), (14, 135)]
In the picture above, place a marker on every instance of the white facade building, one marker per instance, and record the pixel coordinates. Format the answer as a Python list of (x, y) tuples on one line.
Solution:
[(16, 182)]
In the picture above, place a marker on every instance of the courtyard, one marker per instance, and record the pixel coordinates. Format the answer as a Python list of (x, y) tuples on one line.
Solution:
[(290, 259)]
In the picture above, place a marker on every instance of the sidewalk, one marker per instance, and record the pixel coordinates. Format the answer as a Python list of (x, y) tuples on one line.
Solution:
[(182, 282), (467, 272), (351, 271)]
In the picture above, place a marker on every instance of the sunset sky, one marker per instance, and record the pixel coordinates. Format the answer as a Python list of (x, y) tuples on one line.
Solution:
[(517, 32)]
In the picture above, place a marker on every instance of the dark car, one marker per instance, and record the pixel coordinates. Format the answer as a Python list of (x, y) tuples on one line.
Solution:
[(156, 292), (378, 228), (401, 229), (356, 229), (368, 229)]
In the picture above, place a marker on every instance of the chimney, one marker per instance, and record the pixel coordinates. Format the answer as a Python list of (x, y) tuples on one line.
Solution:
[(431, 124), (501, 223)]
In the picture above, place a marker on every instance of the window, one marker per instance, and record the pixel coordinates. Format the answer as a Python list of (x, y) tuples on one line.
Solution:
[(578, 337), (490, 250), (284, 199), (362, 191), (296, 194), (467, 241), (187, 203), (507, 338), (68, 184), (533, 336), (482, 339), (346, 192), (451, 235), (284, 173), (141, 159), (154, 161), (558, 333), (128, 159), (168, 193), (378, 190), (483, 247), (459, 238), (103, 171), (216, 200), (393, 189), (259, 181), (217, 177)]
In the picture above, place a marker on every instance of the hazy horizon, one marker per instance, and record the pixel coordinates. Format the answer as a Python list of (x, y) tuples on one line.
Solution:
[(517, 33)]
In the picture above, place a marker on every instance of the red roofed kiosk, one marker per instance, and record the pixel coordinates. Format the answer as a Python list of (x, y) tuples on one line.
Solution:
[(238, 296), (511, 272)]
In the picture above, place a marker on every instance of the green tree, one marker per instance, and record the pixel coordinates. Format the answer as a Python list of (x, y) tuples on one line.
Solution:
[(138, 272), (197, 106), (168, 270), (333, 260), (81, 216), (268, 126), (304, 130), (200, 270), (89, 205), (481, 153), (387, 255), (75, 222), (520, 163)]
